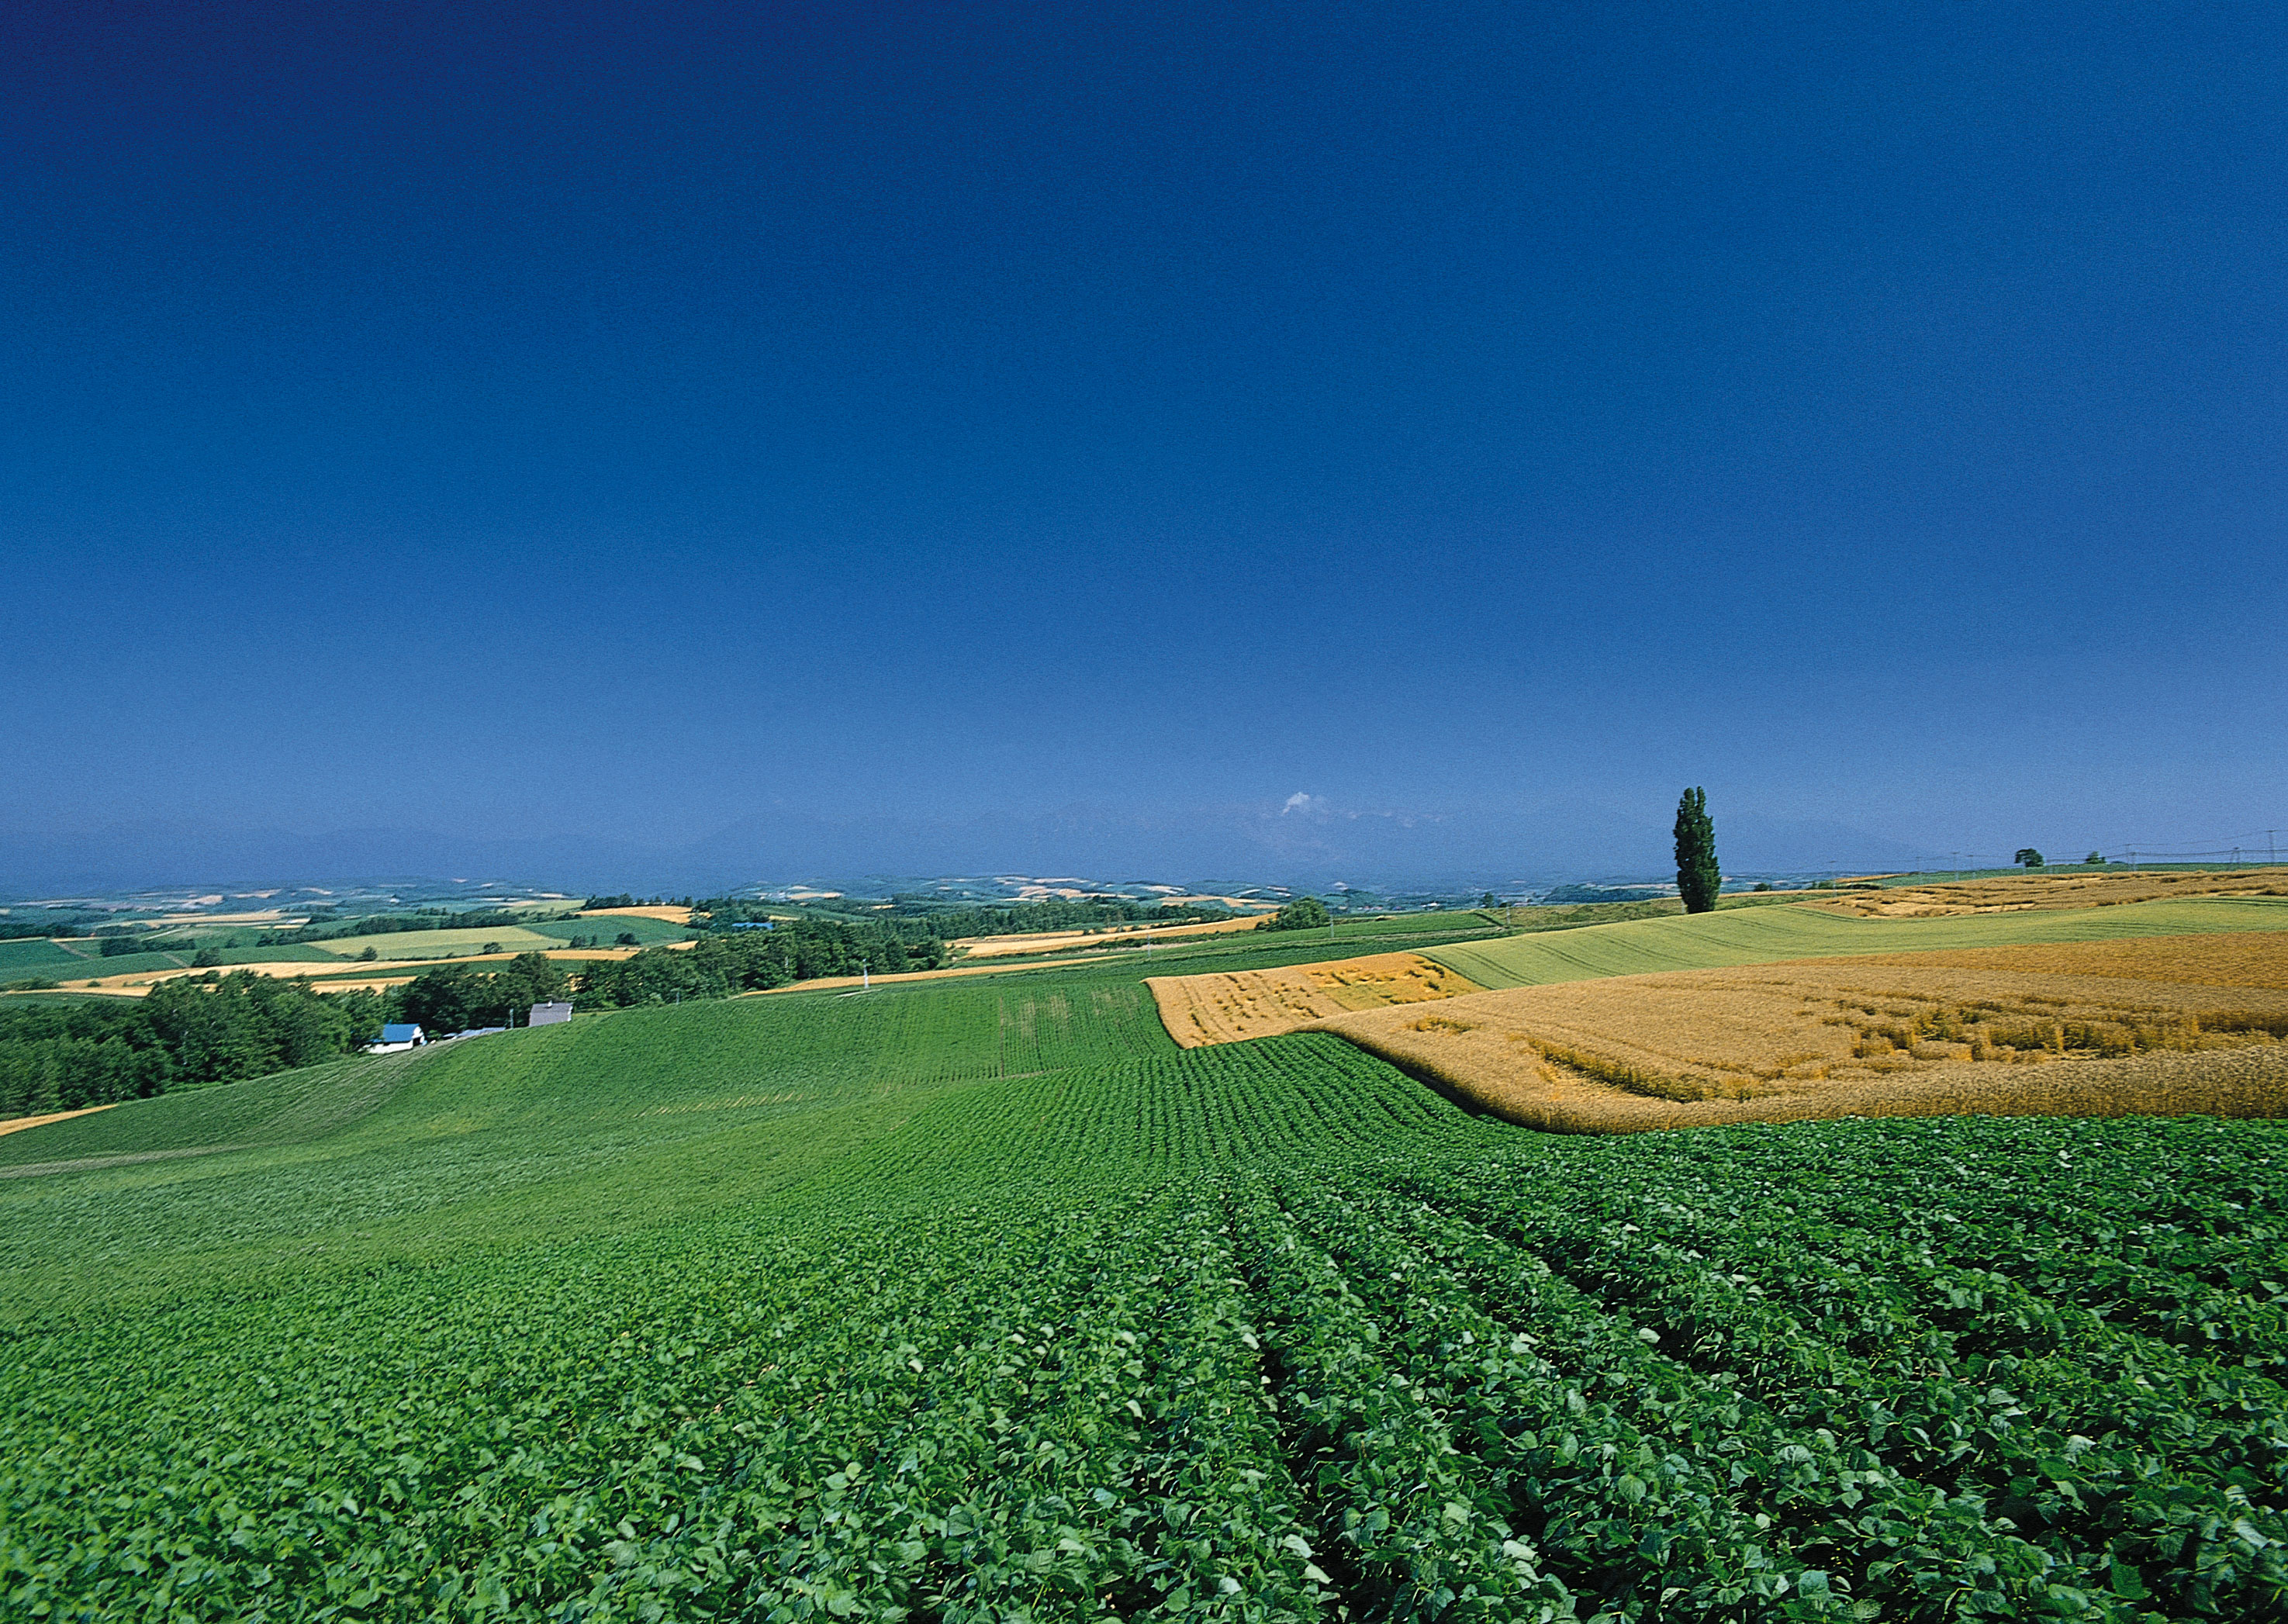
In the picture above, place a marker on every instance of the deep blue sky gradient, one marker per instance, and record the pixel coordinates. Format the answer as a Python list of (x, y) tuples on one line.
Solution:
[(630, 420)]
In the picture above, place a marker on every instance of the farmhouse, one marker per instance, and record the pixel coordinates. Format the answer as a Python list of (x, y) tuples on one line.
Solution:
[(395, 1039)]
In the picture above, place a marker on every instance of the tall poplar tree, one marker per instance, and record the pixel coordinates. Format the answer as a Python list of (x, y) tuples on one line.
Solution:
[(1698, 875)]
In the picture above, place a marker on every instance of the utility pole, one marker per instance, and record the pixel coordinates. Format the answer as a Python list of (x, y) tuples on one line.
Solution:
[(865, 978)]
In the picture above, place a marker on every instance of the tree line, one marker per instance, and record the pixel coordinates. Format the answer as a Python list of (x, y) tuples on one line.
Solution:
[(724, 962), (194, 1031), (26, 929), (1303, 913), (187, 1032), (916, 920)]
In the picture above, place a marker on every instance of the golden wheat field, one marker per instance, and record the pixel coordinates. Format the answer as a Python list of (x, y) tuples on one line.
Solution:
[(2238, 958), (2034, 889), (1786, 1041), (1257, 1004)]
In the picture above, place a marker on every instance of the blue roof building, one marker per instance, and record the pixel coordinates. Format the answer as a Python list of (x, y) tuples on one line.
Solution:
[(394, 1038)]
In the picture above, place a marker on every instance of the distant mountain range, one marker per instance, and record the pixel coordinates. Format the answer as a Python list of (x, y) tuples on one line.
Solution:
[(1303, 844)]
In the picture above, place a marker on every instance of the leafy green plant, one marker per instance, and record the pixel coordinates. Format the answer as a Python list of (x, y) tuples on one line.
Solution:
[(978, 1300)]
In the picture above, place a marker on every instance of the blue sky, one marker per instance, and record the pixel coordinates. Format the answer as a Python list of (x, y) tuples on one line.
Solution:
[(615, 421)]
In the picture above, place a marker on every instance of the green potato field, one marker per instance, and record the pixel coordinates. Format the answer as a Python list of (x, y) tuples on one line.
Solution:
[(978, 1300)]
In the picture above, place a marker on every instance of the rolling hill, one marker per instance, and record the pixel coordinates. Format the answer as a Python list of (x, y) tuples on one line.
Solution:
[(1770, 935), (979, 1299)]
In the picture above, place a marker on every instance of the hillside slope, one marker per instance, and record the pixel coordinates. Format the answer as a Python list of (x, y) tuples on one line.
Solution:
[(1771, 935), (980, 1300)]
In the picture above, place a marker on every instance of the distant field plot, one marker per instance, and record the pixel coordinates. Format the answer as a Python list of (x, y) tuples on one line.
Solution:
[(78, 969), (283, 954), (35, 953), (648, 930), (147, 971), (1234, 951), (1758, 936), (2254, 958), (438, 944), (2040, 889), (1236, 1005), (663, 914), (1052, 941), (1786, 1041)]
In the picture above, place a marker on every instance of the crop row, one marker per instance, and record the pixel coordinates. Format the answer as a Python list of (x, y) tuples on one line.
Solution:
[(1251, 1333)]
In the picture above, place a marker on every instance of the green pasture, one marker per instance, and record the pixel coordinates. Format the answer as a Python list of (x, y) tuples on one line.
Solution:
[(1761, 936), (83, 967), (78, 966), (33, 955), (434, 944), (609, 1121)]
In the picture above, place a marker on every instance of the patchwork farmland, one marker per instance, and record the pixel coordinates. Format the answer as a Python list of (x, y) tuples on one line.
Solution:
[(1785, 1042), (982, 1298)]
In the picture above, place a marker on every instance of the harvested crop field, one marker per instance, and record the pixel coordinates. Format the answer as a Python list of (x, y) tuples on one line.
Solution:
[(2017, 892), (1102, 936), (2248, 958), (1255, 1003), (1785, 1042)]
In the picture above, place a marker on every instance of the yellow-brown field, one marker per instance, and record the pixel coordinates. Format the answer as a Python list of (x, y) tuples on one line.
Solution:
[(665, 913), (2239, 958), (2034, 889), (18, 1124), (1052, 941), (1786, 1041), (1257, 1003), (381, 972)]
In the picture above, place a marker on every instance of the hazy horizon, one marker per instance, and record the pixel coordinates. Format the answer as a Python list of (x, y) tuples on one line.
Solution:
[(1297, 847)]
